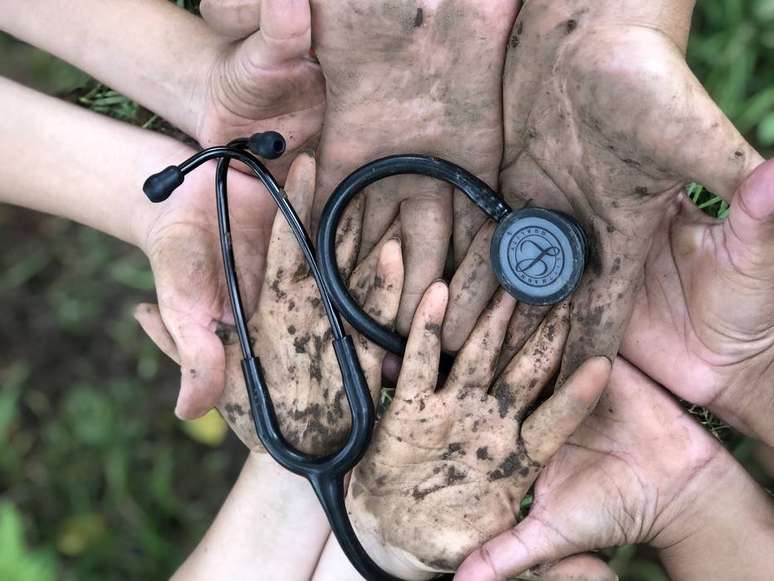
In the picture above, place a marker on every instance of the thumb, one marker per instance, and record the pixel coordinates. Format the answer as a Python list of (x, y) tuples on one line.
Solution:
[(232, 18), (202, 368), (149, 318), (285, 34), (749, 230), (511, 553)]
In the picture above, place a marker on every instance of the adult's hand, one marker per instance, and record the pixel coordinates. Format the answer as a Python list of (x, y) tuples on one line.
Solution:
[(413, 77), (703, 324), (604, 120), (639, 470)]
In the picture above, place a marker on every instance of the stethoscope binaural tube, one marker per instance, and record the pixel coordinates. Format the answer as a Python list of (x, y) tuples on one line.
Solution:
[(538, 255)]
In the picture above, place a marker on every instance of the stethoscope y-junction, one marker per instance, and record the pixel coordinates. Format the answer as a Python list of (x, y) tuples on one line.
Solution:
[(538, 256)]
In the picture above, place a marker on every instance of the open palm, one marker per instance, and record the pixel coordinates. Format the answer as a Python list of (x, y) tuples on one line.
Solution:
[(604, 120), (703, 324)]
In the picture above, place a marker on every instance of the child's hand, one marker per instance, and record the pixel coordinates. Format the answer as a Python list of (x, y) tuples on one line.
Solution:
[(291, 334), (448, 469)]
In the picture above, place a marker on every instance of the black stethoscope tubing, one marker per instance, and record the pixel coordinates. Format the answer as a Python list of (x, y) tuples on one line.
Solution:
[(474, 188)]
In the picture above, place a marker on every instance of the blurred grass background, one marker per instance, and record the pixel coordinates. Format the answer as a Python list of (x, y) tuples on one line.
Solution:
[(98, 480)]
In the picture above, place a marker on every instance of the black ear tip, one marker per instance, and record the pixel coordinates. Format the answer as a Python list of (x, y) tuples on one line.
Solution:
[(160, 186), (268, 145)]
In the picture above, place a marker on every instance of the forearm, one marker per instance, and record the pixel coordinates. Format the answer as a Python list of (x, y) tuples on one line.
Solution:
[(730, 534), (64, 160), (270, 527), (150, 50)]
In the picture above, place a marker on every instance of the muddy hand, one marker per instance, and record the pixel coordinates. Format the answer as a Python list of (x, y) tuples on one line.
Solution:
[(413, 77), (638, 470), (447, 469), (604, 120), (291, 335)]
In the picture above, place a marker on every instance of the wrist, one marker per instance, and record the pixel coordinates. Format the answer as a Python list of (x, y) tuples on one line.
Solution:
[(727, 531), (388, 557)]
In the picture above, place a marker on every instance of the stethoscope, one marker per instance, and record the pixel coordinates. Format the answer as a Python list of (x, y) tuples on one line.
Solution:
[(538, 256)]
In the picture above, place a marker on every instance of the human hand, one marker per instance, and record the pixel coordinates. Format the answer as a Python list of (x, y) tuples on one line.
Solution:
[(421, 77), (194, 312), (703, 324), (266, 79), (638, 470), (604, 120), (291, 335), (447, 469)]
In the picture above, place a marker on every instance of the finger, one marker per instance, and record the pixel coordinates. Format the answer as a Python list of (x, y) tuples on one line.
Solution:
[(680, 130), (232, 18), (749, 230), (534, 366), (475, 365), (391, 366), (521, 327), (549, 426), (382, 208), (583, 567), (363, 274), (471, 288), (381, 304), (468, 219), (426, 224), (149, 318), (202, 368), (285, 33), (515, 551), (423, 351), (285, 259), (721, 158), (348, 236)]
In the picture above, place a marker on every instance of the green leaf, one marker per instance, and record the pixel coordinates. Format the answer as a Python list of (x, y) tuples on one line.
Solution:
[(766, 130), (17, 562)]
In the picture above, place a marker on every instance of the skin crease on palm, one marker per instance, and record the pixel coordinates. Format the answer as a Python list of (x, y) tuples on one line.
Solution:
[(648, 473), (447, 469), (413, 76), (290, 332), (604, 120), (704, 323)]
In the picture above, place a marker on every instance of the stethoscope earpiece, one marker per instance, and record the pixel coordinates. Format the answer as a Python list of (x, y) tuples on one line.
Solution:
[(539, 255), (268, 145)]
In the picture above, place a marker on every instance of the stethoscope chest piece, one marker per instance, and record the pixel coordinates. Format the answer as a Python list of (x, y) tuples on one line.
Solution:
[(539, 255)]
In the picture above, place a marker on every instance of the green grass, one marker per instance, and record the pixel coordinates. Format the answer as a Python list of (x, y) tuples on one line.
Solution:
[(98, 480)]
